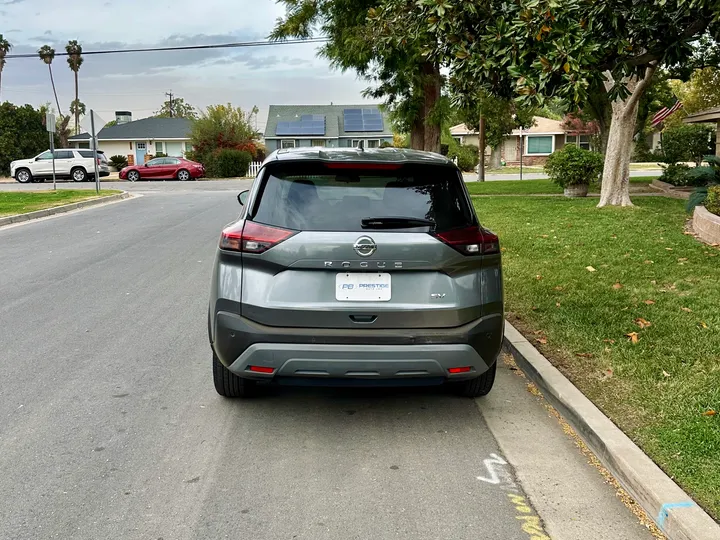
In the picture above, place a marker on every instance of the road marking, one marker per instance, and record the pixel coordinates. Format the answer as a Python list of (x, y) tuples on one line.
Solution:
[(490, 463), (531, 523), (665, 511)]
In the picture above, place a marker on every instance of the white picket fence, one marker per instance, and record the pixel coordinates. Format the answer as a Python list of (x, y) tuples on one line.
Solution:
[(254, 168)]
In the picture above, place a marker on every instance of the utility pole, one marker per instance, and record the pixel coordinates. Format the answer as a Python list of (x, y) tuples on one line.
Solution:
[(170, 95)]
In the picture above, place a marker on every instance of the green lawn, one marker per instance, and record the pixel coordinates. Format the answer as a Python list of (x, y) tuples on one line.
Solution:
[(22, 202), (579, 279), (532, 187), (515, 170)]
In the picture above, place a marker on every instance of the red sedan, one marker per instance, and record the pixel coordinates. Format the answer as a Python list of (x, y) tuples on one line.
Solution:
[(164, 168)]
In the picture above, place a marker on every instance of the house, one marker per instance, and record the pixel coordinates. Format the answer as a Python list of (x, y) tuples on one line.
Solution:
[(335, 126), (141, 138), (538, 142)]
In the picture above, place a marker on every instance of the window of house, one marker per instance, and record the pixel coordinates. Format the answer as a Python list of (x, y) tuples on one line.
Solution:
[(84, 145), (287, 143), (539, 145), (158, 147), (583, 141), (373, 143), (355, 143), (318, 142), (140, 146), (458, 140)]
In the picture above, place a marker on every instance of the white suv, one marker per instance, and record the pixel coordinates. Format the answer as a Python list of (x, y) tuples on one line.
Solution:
[(71, 163)]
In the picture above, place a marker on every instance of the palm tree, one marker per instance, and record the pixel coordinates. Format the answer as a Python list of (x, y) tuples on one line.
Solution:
[(75, 60), (5, 47), (77, 109), (47, 55)]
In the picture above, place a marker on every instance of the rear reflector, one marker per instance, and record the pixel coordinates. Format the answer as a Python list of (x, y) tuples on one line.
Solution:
[(471, 241), (261, 369), (249, 237), (465, 369)]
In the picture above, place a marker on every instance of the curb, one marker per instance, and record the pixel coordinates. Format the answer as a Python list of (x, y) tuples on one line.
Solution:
[(18, 218), (674, 512)]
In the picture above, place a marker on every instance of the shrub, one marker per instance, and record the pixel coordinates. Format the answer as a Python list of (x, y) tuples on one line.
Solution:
[(160, 154), (712, 202), (467, 156), (119, 162), (677, 174), (573, 166), (686, 142), (228, 163), (386, 144)]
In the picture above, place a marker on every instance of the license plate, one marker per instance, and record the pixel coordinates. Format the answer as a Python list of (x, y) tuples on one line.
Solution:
[(366, 287)]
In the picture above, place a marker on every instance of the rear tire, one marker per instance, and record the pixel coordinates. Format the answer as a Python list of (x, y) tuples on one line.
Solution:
[(229, 385), (79, 174), (479, 386), (183, 175)]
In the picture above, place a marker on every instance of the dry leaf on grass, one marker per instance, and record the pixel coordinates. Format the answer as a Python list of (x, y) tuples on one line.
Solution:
[(643, 323), (590, 269), (682, 259), (611, 341), (584, 355), (633, 337), (687, 309), (538, 277), (669, 249), (665, 373), (541, 340), (701, 324), (558, 288), (649, 262), (617, 286), (711, 412), (538, 332), (607, 373), (649, 302), (557, 304)]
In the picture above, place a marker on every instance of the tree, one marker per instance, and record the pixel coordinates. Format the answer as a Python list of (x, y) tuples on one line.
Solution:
[(111, 123), (547, 48), (701, 92), (5, 47), (22, 133), (75, 60), (47, 55), (220, 127), (176, 108), (408, 82), (77, 109)]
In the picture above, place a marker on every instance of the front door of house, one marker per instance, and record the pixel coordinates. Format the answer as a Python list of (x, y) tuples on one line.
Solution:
[(140, 151)]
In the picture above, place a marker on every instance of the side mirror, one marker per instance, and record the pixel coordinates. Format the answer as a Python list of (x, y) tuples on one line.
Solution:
[(145, 165), (242, 198)]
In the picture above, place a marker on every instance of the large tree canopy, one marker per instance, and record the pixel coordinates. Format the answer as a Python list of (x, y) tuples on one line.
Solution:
[(535, 49)]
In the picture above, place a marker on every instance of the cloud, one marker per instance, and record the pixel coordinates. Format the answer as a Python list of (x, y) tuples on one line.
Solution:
[(10, 2)]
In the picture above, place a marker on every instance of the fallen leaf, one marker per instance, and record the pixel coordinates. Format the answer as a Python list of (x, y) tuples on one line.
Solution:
[(633, 337), (557, 304), (584, 355), (701, 324), (590, 269), (538, 277), (617, 286), (544, 235), (669, 249), (611, 341), (608, 373), (649, 302), (642, 323), (665, 373), (538, 332), (649, 262), (711, 412), (681, 259), (687, 309), (558, 288), (542, 340)]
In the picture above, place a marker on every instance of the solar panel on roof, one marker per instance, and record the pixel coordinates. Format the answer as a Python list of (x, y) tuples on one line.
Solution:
[(363, 120), (309, 124)]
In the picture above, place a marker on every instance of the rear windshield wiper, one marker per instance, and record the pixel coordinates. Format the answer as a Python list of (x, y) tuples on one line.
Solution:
[(396, 223)]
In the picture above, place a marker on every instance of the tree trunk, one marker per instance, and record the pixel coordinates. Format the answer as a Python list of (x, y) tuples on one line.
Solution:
[(495, 156), (615, 190), (417, 132), (52, 81), (431, 95), (1, 68), (481, 150), (77, 103)]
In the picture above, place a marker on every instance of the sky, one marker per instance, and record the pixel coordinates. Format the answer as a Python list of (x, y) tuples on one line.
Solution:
[(278, 75)]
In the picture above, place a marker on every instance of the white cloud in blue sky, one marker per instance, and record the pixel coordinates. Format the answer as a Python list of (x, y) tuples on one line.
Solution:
[(291, 74)]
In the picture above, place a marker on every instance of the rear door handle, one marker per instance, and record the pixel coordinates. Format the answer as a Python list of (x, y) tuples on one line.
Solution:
[(363, 319)]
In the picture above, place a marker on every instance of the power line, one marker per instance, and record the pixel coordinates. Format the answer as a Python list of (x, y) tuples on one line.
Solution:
[(236, 45)]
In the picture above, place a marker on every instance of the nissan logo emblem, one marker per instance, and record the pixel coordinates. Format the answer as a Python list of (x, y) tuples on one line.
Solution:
[(365, 246)]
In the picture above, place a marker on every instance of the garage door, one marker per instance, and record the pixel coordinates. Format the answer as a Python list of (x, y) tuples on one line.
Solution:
[(174, 149)]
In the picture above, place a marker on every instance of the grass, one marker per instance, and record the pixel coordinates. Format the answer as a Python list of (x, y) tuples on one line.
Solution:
[(22, 202), (533, 187), (515, 170), (660, 390)]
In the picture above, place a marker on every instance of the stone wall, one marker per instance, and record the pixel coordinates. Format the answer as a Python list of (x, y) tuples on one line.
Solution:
[(706, 225)]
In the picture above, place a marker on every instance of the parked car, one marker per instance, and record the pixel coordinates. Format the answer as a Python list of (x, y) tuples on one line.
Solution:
[(164, 168), (70, 163), (356, 267)]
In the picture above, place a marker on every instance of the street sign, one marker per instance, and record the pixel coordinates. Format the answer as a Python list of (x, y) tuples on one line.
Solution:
[(50, 122)]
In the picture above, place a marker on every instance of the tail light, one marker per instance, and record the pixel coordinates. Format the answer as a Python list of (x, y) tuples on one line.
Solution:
[(471, 241), (99, 161), (252, 237)]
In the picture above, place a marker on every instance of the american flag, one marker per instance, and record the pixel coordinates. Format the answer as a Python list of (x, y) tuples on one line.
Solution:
[(663, 113)]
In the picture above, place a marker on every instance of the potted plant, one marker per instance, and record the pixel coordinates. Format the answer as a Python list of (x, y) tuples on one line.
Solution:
[(574, 169)]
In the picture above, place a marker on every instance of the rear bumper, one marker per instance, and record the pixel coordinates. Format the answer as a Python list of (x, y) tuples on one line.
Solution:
[(364, 355)]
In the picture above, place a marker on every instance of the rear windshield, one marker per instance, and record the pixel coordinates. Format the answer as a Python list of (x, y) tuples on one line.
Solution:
[(89, 153), (317, 198)]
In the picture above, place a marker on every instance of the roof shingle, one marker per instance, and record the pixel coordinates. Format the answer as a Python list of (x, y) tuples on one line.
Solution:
[(147, 128)]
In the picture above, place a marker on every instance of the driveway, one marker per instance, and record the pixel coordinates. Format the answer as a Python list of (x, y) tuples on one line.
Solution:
[(111, 427)]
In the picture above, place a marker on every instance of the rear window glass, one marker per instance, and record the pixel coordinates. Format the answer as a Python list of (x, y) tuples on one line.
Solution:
[(317, 198)]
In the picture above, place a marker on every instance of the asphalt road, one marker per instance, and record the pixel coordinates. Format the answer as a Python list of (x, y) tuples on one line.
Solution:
[(110, 426)]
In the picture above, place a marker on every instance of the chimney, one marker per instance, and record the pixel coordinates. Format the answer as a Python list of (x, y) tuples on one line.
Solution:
[(123, 117)]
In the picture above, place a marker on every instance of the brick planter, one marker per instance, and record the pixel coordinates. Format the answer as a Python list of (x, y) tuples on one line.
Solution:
[(706, 225)]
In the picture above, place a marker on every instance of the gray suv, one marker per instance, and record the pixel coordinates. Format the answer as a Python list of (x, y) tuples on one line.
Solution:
[(356, 267)]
